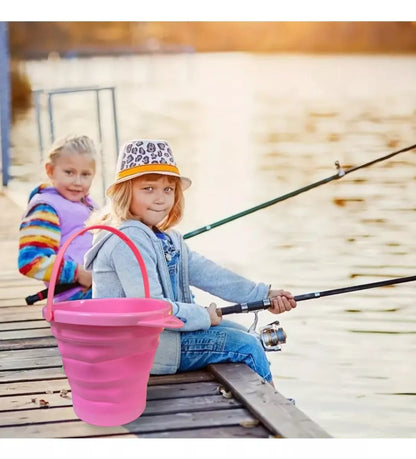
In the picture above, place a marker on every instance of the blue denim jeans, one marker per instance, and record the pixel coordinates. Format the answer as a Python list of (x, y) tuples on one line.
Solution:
[(226, 342)]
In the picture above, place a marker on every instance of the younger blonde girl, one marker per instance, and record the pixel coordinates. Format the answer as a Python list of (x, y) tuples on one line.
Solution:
[(55, 211)]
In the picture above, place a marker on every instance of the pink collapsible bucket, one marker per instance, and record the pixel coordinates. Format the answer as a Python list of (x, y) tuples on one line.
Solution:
[(108, 345)]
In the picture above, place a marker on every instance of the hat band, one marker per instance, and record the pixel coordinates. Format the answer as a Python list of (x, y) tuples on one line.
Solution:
[(148, 168)]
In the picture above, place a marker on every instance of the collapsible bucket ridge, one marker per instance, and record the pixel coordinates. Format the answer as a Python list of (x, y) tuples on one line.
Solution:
[(108, 345)]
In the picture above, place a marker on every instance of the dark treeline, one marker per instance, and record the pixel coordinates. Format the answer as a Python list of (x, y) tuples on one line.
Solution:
[(39, 39)]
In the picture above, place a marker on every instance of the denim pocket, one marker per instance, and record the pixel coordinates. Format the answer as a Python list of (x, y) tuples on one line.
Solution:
[(211, 340)]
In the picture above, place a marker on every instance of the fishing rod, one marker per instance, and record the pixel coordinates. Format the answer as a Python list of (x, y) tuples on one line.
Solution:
[(340, 173), (265, 304), (271, 336)]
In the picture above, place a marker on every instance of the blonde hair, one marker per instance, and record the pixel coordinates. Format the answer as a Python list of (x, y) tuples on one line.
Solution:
[(121, 195), (72, 144)]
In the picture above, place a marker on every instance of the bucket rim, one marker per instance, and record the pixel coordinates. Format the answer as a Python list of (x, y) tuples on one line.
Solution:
[(73, 314)]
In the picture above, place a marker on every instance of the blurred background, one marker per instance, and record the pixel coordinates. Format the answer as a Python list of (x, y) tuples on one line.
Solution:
[(51, 40), (39, 39), (254, 110)]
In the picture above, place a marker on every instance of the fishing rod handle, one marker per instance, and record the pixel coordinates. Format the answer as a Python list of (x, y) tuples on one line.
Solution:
[(246, 307), (60, 288), (32, 299), (263, 304)]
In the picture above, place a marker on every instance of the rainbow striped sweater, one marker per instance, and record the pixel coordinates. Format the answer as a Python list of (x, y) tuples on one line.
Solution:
[(41, 235)]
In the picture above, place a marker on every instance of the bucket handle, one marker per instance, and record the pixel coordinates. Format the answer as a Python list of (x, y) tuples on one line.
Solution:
[(59, 257)]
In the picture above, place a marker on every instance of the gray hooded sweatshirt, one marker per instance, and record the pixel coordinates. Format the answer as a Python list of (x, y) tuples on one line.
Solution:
[(116, 274)]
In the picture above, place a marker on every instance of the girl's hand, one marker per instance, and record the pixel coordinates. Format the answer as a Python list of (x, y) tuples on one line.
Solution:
[(84, 277), (282, 301), (214, 314)]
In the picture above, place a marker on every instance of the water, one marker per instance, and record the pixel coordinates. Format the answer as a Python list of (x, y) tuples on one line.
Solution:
[(248, 128)]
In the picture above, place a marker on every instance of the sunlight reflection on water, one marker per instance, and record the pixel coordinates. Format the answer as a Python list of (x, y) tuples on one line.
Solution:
[(248, 128)]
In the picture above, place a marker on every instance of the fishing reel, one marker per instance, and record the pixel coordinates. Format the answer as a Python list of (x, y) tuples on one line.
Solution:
[(271, 336)]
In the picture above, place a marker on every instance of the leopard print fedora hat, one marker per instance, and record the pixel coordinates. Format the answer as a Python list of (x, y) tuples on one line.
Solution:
[(144, 156)]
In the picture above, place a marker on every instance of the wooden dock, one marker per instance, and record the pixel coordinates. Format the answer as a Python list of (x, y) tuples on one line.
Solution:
[(221, 401)]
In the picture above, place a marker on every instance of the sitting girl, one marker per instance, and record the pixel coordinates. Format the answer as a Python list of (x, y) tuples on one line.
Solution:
[(55, 211), (146, 202)]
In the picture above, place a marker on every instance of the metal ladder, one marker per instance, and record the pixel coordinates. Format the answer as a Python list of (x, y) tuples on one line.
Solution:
[(50, 95)]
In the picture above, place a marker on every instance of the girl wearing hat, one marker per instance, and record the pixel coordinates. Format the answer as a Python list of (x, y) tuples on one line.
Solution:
[(146, 202)]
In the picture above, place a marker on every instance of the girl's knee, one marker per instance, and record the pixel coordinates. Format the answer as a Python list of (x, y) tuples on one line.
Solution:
[(256, 358)]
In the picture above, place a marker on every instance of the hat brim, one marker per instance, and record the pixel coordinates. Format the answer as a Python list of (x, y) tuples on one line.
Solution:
[(186, 182)]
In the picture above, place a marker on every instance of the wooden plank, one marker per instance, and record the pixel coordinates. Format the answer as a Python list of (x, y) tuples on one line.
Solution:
[(27, 409), (161, 423), (6, 335), (21, 314), (142, 425), (186, 377), (37, 324), (14, 279), (170, 405), (15, 302), (37, 416), (30, 343), (18, 292), (269, 406), (10, 405), (182, 390), (33, 387), (13, 275), (17, 282), (32, 374), (154, 392), (207, 432), (29, 358)]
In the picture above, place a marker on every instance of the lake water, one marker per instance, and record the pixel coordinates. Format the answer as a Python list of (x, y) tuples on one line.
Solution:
[(248, 128)]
